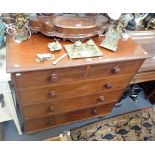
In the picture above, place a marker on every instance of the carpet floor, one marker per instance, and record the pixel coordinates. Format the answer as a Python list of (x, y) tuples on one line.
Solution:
[(135, 126)]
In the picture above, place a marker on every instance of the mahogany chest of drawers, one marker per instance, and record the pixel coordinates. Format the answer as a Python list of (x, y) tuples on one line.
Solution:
[(73, 90)]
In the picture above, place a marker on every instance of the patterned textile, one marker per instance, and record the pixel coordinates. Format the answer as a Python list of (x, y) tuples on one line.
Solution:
[(135, 126)]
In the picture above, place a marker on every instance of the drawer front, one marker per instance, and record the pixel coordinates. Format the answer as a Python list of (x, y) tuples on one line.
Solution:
[(103, 70), (57, 120), (48, 77), (72, 90), (66, 105), (33, 79)]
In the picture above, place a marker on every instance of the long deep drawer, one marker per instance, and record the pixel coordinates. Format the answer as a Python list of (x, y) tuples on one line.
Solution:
[(41, 123), (48, 77), (33, 79), (71, 104), (72, 90)]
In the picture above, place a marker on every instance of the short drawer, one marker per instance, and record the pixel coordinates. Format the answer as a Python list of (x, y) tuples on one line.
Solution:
[(115, 68), (48, 77), (71, 104), (73, 90), (41, 123)]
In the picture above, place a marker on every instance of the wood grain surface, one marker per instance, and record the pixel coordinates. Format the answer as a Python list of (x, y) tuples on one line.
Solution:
[(20, 57)]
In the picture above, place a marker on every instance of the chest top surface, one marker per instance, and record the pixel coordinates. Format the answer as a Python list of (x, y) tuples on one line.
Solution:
[(21, 57)]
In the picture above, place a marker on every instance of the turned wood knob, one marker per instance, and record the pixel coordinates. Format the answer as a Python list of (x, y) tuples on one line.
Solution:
[(116, 70), (50, 122), (53, 78), (108, 85), (51, 109), (101, 99), (51, 94), (95, 111)]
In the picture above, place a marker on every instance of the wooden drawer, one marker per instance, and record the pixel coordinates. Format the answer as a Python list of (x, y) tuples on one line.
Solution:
[(71, 104), (48, 77), (32, 125), (65, 75), (72, 90), (123, 67)]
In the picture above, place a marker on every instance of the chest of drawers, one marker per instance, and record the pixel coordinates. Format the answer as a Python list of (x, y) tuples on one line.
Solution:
[(73, 90)]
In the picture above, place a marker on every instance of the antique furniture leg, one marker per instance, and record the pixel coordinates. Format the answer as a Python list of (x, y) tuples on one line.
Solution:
[(9, 108)]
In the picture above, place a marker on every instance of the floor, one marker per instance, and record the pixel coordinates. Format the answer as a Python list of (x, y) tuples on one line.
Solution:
[(127, 105)]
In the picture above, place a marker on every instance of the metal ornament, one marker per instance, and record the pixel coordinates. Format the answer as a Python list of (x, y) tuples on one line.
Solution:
[(115, 32), (111, 39), (44, 56), (59, 59), (83, 50), (151, 24), (54, 46), (2, 31), (21, 32)]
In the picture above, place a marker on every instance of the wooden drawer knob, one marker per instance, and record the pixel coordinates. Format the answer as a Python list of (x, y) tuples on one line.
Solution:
[(51, 109), (53, 78), (108, 85), (51, 94), (101, 98), (50, 122), (95, 111), (116, 69)]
